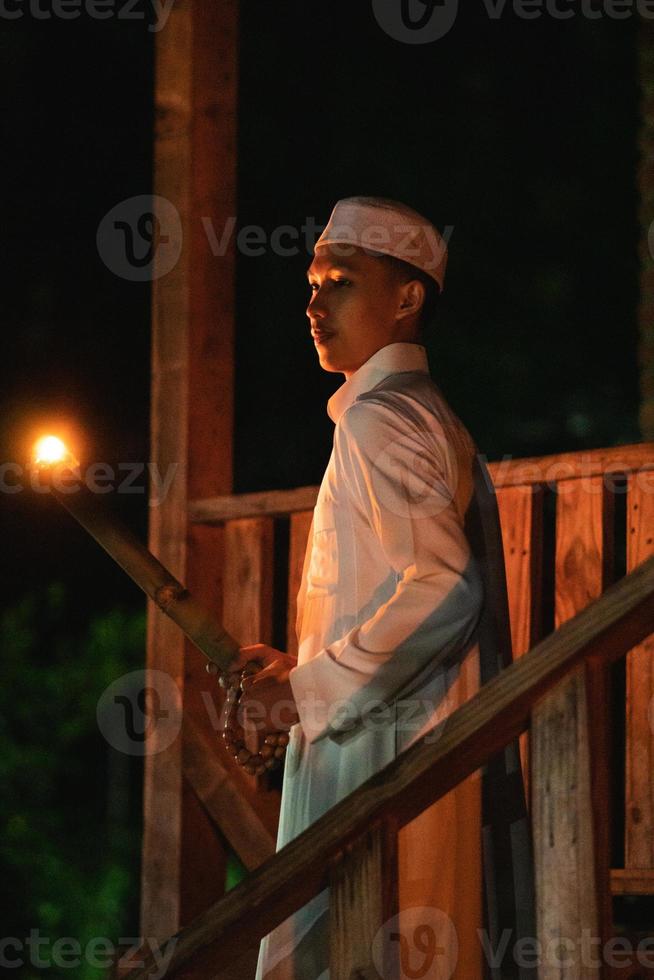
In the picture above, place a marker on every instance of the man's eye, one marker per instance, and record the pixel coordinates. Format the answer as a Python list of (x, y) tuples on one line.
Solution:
[(342, 282), (313, 286)]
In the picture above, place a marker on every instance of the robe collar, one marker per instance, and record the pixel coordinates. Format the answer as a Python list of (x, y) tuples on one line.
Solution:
[(392, 359)]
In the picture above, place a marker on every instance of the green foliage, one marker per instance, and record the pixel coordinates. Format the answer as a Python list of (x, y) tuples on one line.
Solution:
[(236, 870), (68, 854)]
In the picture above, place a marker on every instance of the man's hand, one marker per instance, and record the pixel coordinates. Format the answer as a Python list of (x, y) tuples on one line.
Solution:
[(267, 703)]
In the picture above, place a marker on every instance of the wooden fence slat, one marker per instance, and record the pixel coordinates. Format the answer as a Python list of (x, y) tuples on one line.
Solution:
[(248, 580), (521, 517), (300, 525), (639, 789), (363, 898), (248, 592), (568, 904), (201, 847)]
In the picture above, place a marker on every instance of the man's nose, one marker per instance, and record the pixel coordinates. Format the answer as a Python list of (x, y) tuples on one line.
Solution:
[(316, 307)]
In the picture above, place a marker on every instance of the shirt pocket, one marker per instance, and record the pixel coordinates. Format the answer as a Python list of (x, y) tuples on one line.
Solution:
[(322, 577)]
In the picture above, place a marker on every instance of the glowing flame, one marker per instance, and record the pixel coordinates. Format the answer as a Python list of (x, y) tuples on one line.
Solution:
[(50, 450)]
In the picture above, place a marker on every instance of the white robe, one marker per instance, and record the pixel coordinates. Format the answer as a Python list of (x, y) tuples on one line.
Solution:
[(387, 609)]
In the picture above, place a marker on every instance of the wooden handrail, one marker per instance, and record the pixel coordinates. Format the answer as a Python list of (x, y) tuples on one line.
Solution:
[(505, 473), (267, 503), (567, 466), (606, 629)]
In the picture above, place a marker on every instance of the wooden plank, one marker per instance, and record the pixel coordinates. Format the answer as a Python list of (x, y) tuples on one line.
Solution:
[(363, 906), (300, 525), (248, 580), (585, 464), (241, 819), (416, 778), (639, 789), (212, 296), (632, 881), (212, 292), (202, 847), (567, 894), (521, 517), (192, 418), (248, 593), (162, 825), (600, 731), (600, 738), (215, 510), (210, 382)]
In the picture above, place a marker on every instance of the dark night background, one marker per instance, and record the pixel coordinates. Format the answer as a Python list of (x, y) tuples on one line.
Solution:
[(520, 134)]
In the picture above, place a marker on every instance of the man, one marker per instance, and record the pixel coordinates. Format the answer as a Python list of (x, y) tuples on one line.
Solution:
[(390, 594)]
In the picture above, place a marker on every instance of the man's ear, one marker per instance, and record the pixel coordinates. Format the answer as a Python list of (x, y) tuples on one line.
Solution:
[(412, 296)]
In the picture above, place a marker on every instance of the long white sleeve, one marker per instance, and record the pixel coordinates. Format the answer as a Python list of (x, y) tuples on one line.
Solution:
[(401, 480)]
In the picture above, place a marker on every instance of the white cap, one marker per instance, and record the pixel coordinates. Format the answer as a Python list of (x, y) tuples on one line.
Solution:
[(387, 227)]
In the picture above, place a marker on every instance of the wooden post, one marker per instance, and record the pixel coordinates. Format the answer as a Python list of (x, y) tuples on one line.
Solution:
[(569, 903), (363, 905), (191, 425)]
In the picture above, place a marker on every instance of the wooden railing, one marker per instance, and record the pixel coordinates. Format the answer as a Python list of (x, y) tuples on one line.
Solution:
[(552, 579), (353, 836)]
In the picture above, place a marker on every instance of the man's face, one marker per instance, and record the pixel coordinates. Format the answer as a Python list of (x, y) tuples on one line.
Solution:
[(355, 307)]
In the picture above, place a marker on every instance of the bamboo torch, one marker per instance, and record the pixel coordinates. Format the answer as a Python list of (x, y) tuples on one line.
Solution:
[(56, 467)]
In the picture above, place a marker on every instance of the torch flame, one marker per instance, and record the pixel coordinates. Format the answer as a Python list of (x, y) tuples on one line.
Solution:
[(50, 450)]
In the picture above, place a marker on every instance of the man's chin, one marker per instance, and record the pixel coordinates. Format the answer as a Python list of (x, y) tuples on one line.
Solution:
[(328, 363)]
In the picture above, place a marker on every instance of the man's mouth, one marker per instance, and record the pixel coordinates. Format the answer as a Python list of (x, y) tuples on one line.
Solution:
[(321, 336)]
